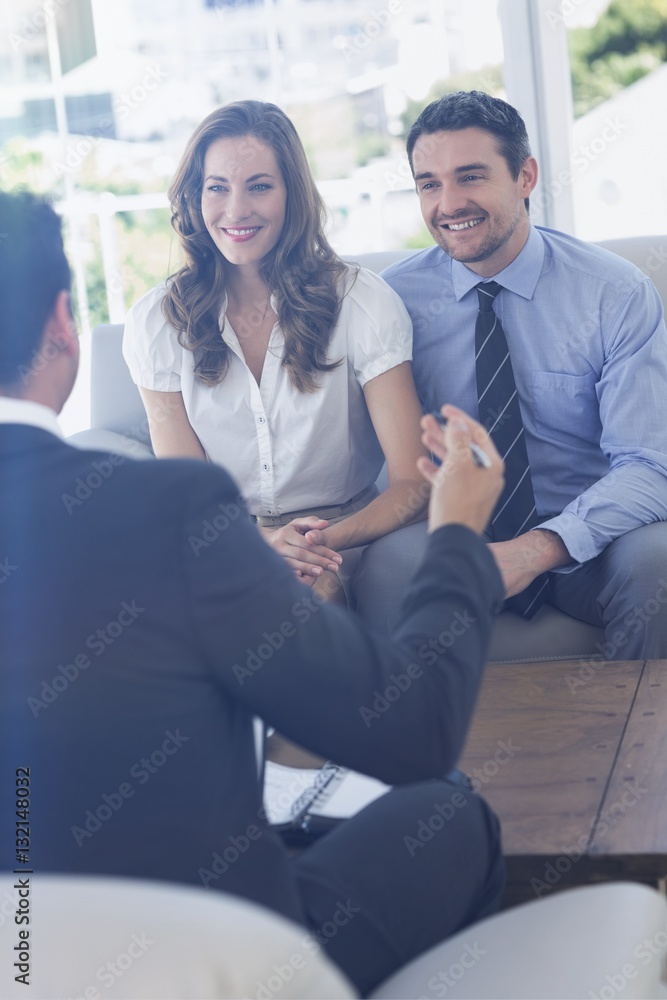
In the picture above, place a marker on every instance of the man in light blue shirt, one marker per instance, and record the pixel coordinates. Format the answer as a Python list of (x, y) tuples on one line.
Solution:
[(588, 346)]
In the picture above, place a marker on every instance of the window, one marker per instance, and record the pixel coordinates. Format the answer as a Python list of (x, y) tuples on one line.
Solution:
[(351, 75)]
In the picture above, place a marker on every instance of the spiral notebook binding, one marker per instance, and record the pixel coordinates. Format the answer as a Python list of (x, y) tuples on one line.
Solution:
[(326, 776)]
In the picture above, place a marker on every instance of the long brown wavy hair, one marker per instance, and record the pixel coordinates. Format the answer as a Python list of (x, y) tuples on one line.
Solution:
[(301, 271)]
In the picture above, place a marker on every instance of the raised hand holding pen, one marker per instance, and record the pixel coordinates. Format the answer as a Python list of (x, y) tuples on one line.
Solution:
[(463, 491), (480, 457)]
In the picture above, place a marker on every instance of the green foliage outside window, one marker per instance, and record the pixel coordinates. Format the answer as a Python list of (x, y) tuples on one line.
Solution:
[(628, 41)]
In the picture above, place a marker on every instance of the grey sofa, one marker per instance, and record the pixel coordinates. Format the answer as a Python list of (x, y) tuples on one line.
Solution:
[(119, 424)]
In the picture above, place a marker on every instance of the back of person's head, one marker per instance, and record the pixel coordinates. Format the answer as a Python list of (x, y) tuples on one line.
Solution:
[(305, 212), (473, 109), (33, 271)]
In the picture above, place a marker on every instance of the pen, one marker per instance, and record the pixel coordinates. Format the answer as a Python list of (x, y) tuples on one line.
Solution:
[(480, 458)]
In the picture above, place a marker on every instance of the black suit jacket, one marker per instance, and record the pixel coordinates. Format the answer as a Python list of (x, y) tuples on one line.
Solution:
[(143, 622)]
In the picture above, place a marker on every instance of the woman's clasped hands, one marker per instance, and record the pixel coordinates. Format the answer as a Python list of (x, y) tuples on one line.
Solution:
[(301, 543)]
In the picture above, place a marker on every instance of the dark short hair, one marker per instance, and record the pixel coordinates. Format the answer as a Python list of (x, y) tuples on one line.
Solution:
[(33, 271), (473, 109)]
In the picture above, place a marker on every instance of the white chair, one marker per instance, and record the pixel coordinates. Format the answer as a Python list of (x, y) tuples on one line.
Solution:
[(114, 938), (125, 939), (119, 425), (605, 941)]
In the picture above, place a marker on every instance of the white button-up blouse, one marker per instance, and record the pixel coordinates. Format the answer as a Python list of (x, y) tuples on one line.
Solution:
[(288, 450)]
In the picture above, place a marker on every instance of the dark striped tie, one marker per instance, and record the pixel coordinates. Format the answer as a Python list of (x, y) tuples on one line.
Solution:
[(499, 412)]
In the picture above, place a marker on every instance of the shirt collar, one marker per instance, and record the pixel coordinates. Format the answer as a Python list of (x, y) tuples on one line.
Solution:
[(23, 411), (228, 333), (521, 276), (273, 302)]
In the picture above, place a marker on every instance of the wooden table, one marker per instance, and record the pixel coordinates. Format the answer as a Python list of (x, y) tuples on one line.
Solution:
[(572, 756)]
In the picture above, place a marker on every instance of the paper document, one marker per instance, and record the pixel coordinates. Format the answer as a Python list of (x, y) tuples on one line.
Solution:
[(330, 792), (350, 795)]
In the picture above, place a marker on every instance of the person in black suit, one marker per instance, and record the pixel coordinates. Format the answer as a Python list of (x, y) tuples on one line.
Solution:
[(133, 661)]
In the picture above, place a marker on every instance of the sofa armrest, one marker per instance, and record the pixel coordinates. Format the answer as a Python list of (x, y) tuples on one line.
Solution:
[(99, 439)]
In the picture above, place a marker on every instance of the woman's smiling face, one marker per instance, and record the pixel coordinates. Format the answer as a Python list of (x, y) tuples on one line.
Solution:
[(243, 199)]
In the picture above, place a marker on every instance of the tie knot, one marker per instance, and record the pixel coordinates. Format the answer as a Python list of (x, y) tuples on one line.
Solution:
[(486, 293)]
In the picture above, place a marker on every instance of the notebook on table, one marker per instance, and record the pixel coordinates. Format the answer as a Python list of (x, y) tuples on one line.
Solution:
[(305, 803)]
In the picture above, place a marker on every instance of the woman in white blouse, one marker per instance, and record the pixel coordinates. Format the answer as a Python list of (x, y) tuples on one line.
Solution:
[(268, 354)]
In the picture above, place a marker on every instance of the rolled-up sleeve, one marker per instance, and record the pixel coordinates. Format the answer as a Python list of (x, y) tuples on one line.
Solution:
[(632, 397)]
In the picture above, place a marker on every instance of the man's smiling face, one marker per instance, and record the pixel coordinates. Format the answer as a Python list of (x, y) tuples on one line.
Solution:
[(472, 206)]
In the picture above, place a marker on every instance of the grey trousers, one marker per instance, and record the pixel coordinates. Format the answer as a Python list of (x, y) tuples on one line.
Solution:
[(623, 590), (385, 568)]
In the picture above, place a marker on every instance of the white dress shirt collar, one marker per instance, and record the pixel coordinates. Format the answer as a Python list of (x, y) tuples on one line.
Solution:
[(23, 411)]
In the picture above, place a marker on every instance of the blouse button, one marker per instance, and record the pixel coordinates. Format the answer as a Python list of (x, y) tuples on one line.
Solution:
[(260, 420), (265, 467)]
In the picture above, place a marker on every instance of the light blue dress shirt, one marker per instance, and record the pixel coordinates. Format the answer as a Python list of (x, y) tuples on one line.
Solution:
[(587, 339)]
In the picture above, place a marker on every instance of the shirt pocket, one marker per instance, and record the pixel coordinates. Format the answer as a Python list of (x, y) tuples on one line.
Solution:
[(566, 405)]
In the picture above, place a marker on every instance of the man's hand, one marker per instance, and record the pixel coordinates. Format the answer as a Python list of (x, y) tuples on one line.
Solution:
[(308, 560), (520, 560), (462, 493)]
